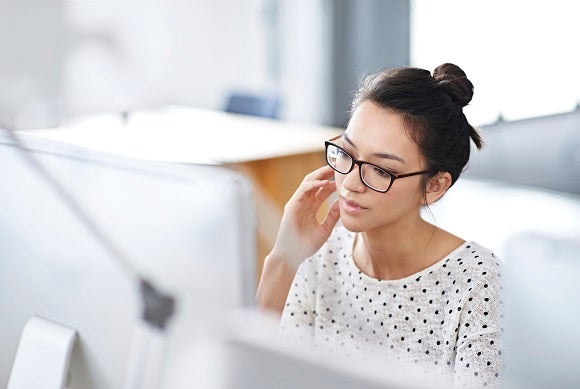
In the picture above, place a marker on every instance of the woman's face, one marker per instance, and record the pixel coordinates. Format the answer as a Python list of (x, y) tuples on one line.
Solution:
[(377, 135)]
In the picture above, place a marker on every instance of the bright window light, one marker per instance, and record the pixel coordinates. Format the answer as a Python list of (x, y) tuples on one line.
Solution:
[(521, 56)]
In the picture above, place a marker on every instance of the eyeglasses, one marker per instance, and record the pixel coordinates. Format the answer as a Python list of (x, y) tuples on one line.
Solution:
[(371, 175)]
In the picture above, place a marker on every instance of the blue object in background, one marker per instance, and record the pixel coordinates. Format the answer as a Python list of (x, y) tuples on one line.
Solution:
[(266, 105)]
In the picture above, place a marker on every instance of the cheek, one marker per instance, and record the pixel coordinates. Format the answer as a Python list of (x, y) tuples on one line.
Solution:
[(338, 178), (393, 207), (405, 193)]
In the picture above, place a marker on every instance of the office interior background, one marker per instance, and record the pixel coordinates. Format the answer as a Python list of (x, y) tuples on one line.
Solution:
[(104, 56), (61, 60)]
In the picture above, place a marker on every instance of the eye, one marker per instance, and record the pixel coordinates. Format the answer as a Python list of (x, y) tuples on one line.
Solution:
[(342, 154), (382, 172)]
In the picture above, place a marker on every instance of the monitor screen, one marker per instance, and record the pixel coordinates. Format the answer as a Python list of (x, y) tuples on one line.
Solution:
[(189, 229)]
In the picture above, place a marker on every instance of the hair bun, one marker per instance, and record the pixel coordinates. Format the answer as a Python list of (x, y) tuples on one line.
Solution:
[(455, 83)]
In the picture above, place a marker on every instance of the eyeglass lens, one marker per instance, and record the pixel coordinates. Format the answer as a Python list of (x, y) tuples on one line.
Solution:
[(372, 176)]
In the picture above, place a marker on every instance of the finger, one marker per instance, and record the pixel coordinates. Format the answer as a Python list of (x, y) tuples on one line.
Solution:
[(331, 217), (324, 192), (306, 192), (312, 182), (309, 186), (324, 172)]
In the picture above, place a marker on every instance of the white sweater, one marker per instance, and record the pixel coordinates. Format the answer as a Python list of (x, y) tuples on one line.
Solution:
[(446, 318)]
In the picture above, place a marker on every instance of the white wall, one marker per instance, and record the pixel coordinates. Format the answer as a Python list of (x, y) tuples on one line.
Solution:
[(178, 51), (75, 57)]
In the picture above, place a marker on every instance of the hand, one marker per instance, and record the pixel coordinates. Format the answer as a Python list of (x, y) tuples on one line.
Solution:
[(301, 234)]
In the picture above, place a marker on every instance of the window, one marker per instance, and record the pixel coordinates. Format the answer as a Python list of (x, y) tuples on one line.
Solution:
[(521, 56)]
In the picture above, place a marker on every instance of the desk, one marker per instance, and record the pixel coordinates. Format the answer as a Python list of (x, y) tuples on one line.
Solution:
[(275, 155)]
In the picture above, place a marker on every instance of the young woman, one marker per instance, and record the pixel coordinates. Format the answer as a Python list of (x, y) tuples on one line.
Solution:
[(384, 279)]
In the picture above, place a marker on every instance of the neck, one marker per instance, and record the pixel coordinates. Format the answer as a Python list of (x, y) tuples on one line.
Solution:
[(396, 252)]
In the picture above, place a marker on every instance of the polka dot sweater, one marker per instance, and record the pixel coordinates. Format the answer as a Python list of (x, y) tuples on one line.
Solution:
[(445, 318)]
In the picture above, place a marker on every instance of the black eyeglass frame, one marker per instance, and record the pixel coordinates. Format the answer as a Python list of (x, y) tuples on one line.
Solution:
[(360, 163)]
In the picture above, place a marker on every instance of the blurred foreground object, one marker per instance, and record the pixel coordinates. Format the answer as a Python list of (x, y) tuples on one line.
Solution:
[(542, 312), (166, 217)]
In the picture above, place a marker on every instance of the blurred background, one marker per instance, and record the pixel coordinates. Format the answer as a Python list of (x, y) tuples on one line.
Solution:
[(300, 61), (74, 57)]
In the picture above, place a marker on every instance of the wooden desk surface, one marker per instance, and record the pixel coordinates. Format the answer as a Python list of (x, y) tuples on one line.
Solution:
[(274, 154), (192, 135)]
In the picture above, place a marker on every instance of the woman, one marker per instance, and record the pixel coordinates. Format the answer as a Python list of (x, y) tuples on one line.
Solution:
[(384, 278)]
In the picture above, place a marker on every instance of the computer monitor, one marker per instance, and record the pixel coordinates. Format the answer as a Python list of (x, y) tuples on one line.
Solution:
[(189, 229), (542, 311), (254, 355)]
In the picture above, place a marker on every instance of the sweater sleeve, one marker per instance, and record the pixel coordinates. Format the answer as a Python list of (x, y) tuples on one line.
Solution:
[(298, 316), (479, 361)]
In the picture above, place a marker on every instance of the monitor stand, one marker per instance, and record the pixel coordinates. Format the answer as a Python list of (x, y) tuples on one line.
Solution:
[(43, 356)]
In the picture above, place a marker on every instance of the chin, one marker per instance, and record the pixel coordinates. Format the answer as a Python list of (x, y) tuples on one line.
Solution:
[(352, 225)]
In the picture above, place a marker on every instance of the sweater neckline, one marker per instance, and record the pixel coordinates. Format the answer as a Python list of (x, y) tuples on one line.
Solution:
[(415, 276)]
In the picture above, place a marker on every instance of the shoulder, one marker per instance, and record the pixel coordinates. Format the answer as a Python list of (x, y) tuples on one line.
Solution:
[(484, 261), (478, 272), (472, 257), (474, 268)]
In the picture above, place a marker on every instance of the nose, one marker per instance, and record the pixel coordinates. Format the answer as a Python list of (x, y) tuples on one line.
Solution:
[(352, 180)]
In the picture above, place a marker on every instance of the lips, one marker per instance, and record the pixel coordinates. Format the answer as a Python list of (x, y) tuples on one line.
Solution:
[(351, 207)]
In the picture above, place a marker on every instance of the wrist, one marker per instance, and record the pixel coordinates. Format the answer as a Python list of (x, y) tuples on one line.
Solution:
[(281, 259)]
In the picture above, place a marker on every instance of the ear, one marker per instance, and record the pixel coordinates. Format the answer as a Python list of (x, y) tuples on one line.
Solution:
[(437, 186)]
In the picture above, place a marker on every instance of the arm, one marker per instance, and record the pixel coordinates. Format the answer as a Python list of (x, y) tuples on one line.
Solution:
[(274, 284), (478, 361), (299, 237), (298, 318)]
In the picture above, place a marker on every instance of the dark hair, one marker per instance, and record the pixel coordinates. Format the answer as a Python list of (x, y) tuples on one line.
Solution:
[(432, 109)]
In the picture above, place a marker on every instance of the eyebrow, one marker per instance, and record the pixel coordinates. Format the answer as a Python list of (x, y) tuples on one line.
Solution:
[(379, 155)]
